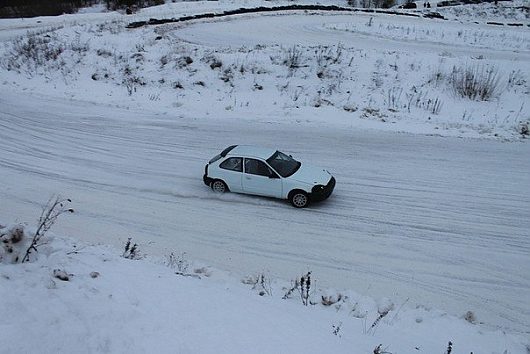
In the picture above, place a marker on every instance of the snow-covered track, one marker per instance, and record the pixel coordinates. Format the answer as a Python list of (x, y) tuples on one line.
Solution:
[(300, 29), (441, 221)]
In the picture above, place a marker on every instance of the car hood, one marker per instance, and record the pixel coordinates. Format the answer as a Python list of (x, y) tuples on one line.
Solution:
[(311, 175)]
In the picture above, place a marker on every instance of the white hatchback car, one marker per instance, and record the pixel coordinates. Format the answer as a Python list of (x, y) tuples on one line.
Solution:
[(267, 172)]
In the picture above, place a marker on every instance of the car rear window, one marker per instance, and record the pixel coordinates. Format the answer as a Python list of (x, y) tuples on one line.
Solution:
[(233, 164)]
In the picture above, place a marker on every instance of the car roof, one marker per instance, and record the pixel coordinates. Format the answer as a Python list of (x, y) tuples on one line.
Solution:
[(252, 151)]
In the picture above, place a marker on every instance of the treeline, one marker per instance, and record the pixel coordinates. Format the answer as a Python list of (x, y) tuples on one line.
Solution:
[(131, 4), (32, 8)]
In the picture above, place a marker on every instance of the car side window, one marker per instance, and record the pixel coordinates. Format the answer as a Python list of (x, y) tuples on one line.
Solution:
[(233, 164), (257, 167)]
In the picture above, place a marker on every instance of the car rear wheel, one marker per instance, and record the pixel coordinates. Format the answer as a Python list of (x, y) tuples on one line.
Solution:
[(299, 199), (219, 186)]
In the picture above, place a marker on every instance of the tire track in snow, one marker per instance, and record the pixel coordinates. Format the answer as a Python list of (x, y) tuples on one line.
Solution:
[(289, 30)]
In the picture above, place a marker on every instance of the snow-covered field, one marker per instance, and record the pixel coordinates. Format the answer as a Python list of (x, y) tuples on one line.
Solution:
[(430, 209)]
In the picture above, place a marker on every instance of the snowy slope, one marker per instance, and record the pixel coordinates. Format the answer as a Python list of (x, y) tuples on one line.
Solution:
[(111, 304), (356, 70)]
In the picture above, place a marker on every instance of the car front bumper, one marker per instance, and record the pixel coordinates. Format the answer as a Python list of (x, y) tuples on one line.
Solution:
[(320, 192)]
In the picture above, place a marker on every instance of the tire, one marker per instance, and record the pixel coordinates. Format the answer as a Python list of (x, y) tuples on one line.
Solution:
[(299, 199), (219, 186)]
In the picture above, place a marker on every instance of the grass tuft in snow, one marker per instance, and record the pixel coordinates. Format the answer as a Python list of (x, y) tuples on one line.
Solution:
[(178, 263), (45, 50), (303, 286), (379, 350), (131, 250), (261, 283), (449, 348), (476, 82)]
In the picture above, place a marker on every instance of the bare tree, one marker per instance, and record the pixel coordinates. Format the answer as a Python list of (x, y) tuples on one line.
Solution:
[(53, 209)]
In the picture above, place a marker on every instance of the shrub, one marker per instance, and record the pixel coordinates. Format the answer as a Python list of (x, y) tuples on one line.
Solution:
[(43, 51), (130, 80), (261, 283), (523, 128), (131, 251), (293, 57), (449, 348), (303, 286), (475, 82), (16, 247), (213, 61), (179, 263), (32, 52), (183, 61)]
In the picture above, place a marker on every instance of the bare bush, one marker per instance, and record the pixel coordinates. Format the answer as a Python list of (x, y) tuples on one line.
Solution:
[(53, 209), (293, 57), (178, 262), (523, 129), (213, 61), (422, 100), (131, 251), (449, 348), (261, 283), (303, 286), (43, 51), (226, 75), (379, 350), (32, 52), (516, 79), (437, 77), (325, 55), (183, 61), (17, 247), (336, 329), (475, 82), (470, 317), (131, 80), (393, 99)]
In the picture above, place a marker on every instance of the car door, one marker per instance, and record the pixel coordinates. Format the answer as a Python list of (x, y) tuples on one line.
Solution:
[(258, 178), (231, 171)]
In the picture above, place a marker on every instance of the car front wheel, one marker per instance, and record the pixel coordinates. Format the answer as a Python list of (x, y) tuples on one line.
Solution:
[(219, 186), (299, 199)]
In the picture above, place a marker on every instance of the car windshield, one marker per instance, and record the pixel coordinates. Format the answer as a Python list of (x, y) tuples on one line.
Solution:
[(283, 164)]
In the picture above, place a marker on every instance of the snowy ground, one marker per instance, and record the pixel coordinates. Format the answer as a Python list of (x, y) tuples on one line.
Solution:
[(442, 222), (111, 304), (356, 70)]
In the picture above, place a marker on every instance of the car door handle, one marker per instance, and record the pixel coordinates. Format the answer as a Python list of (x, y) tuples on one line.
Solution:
[(247, 177)]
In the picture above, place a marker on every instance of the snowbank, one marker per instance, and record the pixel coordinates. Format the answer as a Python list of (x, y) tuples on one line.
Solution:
[(108, 303)]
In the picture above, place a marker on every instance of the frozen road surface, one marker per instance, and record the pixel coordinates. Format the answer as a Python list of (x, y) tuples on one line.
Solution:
[(443, 222)]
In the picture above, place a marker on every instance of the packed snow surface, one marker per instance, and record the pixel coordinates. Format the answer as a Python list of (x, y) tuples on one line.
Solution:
[(421, 213), (441, 221)]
